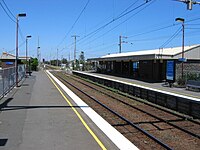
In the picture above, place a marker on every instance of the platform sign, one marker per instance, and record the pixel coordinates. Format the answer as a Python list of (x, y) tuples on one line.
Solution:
[(9, 63), (170, 72), (182, 59)]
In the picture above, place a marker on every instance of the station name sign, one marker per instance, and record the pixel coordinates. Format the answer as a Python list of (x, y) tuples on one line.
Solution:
[(170, 72)]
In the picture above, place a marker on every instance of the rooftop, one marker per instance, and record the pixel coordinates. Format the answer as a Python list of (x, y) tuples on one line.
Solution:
[(8, 56), (163, 51)]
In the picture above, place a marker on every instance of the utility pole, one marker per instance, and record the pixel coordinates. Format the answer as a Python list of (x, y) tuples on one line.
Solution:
[(69, 56), (189, 3), (57, 58), (38, 51), (120, 42), (75, 37)]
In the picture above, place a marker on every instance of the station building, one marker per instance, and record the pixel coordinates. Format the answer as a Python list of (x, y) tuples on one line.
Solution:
[(149, 65), (8, 60)]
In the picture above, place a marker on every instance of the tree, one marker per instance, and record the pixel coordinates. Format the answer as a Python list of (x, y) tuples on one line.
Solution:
[(64, 61), (34, 64)]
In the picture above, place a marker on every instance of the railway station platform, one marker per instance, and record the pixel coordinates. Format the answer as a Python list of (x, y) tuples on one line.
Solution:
[(37, 116), (177, 99), (156, 86)]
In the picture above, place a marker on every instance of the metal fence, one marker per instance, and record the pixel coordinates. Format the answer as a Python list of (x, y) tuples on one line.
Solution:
[(8, 79)]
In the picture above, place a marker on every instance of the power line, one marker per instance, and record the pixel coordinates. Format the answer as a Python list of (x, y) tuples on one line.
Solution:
[(21, 34), (74, 23), (91, 34), (95, 31), (193, 28), (161, 28), (7, 13), (171, 38), (11, 16), (18, 46), (118, 24), (113, 20), (8, 9)]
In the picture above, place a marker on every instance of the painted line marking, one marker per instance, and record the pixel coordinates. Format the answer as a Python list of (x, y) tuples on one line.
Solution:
[(79, 116), (115, 136)]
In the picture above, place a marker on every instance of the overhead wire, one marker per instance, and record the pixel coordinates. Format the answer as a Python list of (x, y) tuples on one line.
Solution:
[(122, 14), (12, 18), (113, 20), (20, 45), (171, 38), (161, 28), (74, 23), (119, 24), (7, 12), (8, 9)]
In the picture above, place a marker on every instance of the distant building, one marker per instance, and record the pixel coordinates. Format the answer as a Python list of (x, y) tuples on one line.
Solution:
[(8, 60), (148, 65)]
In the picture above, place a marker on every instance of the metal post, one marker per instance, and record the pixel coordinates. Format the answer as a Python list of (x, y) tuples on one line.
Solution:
[(26, 69), (16, 59), (75, 36), (183, 28), (183, 47), (57, 58), (120, 44), (3, 80)]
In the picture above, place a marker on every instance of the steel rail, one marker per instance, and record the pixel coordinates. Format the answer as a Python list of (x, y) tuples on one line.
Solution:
[(121, 117), (158, 118), (147, 102)]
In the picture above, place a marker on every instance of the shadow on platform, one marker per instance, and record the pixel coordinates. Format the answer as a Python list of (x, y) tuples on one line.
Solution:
[(8, 108), (3, 142)]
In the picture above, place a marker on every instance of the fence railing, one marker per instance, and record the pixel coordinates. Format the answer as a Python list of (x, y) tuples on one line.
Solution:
[(8, 78)]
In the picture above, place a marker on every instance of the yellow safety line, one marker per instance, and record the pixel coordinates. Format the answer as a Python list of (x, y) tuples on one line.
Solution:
[(78, 114)]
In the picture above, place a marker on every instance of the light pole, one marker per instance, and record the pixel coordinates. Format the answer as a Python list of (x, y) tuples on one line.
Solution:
[(16, 59), (38, 55), (183, 28), (27, 66)]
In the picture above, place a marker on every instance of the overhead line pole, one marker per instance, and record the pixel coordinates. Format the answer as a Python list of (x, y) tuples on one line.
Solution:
[(75, 37), (120, 42), (57, 58)]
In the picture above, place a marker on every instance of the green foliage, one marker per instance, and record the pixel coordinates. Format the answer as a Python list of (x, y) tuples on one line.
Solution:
[(193, 76), (34, 64), (181, 81)]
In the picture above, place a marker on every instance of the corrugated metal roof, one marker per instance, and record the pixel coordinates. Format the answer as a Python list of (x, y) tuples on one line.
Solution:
[(7, 56), (10, 56), (164, 51)]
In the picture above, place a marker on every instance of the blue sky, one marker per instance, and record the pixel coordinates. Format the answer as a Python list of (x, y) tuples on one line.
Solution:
[(51, 20)]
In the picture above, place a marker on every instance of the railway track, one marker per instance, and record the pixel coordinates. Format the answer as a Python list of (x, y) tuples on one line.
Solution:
[(146, 126)]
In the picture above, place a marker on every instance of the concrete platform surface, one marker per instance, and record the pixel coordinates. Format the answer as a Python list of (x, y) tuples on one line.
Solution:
[(158, 86), (36, 117)]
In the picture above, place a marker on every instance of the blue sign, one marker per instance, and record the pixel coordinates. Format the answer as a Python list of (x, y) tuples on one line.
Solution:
[(9, 63), (170, 70), (182, 59)]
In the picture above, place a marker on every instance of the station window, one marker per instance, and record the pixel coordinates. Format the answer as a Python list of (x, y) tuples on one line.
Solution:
[(135, 66)]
